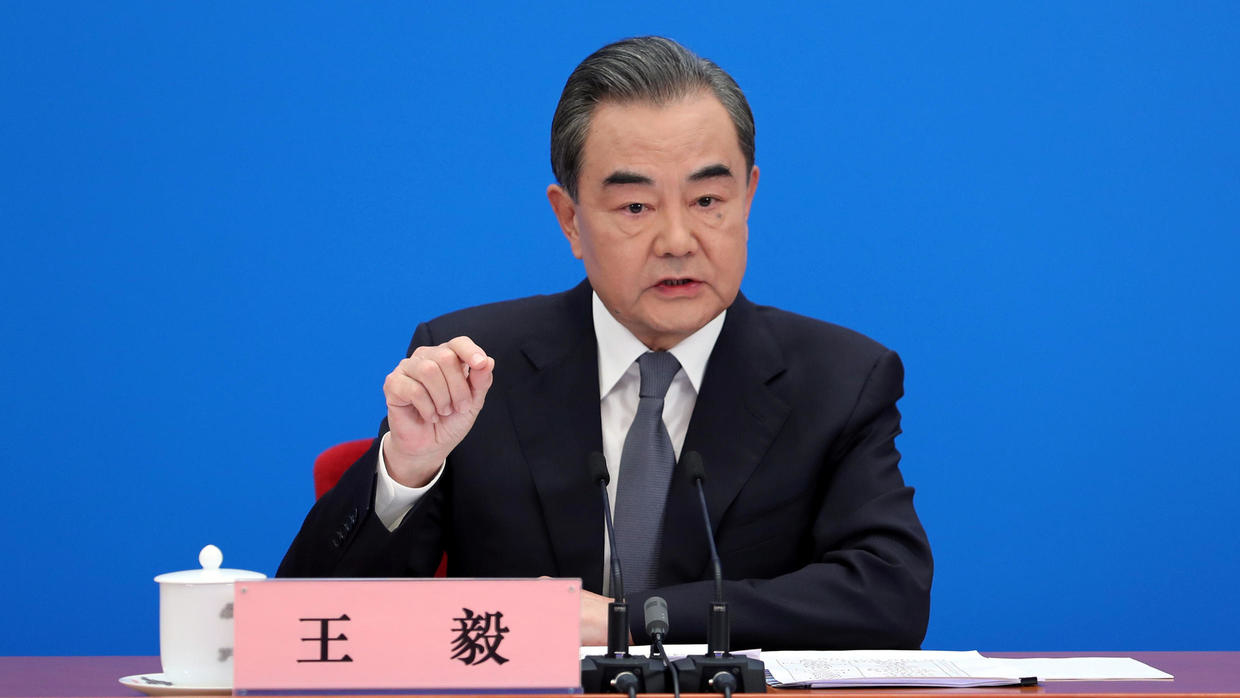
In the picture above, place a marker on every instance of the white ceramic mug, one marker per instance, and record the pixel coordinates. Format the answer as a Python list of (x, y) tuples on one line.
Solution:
[(196, 622)]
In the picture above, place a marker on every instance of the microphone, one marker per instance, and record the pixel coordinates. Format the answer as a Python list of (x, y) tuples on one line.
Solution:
[(718, 671), (617, 671), (656, 617), (656, 627), (597, 465), (719, 631)]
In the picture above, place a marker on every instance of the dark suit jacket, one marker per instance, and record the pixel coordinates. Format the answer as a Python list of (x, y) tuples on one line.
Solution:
[(796, 424)]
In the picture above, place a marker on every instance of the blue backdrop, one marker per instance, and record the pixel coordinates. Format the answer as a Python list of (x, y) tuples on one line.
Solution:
[(221, 222)]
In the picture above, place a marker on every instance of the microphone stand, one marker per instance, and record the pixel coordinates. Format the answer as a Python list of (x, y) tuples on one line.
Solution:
[(718, 671), (617, 671)]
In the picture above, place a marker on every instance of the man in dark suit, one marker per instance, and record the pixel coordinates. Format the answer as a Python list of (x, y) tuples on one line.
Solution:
[(494, 411)]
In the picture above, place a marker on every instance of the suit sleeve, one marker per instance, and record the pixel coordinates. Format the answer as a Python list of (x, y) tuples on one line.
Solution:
[(867, 581), (342, 537)]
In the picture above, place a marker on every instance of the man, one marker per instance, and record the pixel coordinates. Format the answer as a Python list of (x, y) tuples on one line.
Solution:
[(493, 413)]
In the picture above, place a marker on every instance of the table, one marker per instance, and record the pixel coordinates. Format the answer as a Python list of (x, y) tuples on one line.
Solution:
[(1197, 674)]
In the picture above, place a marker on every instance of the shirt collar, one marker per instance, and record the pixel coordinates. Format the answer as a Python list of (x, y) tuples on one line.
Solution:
[(618, 348)]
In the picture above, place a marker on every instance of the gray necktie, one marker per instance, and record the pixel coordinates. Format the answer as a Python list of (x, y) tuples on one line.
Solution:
[(645, 470)]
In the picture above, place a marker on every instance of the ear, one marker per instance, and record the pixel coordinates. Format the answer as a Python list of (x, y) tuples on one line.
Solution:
[(566, 213), (751, 189)]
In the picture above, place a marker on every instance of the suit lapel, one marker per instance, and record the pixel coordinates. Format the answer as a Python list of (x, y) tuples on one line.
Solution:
[(556, 416), (734, 420)]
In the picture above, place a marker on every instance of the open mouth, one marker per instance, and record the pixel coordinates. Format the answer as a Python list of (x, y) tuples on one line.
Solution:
[(675, 282)]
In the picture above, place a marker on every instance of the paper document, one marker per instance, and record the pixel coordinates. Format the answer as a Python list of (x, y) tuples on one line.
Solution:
[(940, 668), (860, 668), (1080, 668)]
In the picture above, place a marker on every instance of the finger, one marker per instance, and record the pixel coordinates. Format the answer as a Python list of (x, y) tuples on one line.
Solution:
[(426, 371), (469, 352), (475, 359), (402, 391), (480, 380), (453, 371)]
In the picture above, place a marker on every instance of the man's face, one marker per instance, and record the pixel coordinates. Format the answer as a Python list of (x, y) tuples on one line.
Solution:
[(661, 216)]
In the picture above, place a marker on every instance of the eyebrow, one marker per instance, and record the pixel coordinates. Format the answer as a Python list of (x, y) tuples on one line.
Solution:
[(626, 177), (716, 170)]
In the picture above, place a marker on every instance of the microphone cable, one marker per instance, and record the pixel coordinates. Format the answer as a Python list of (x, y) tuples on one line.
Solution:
[(724, 683), (667, 664), (625, 681)]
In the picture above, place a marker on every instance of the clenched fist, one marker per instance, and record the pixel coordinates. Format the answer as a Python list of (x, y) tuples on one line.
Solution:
[(433, 398)]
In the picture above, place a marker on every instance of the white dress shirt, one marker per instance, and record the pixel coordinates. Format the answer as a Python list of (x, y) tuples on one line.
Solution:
[(619, 381)]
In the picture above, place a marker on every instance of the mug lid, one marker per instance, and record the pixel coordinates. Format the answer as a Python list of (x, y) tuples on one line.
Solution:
[(210, 558)]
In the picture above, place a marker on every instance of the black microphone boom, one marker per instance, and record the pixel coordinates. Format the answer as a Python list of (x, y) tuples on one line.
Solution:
[(598, 473), (718, 671), (617, 671), (718, 638)]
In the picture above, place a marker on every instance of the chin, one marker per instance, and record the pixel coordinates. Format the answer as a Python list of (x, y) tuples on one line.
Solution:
[(683, 326)]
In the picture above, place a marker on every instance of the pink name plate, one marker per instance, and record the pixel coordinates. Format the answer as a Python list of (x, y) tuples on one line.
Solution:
[(407, 635)]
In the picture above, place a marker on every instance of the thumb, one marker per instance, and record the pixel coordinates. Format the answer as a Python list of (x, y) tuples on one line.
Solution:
[(481, 378)]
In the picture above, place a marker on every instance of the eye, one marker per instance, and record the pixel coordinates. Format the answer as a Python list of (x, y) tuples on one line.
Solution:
[(705, 201), (635, 208)]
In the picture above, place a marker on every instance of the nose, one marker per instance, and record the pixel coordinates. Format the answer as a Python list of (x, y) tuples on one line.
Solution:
[(676, 237)]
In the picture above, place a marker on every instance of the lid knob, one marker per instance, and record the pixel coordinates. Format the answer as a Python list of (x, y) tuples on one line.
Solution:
[(210, 558)]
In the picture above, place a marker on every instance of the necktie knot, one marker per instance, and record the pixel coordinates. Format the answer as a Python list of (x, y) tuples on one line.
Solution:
[(658, 368)]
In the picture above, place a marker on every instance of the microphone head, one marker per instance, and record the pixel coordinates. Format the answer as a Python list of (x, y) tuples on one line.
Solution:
[(693, 466), (656, 615), (598, 468)]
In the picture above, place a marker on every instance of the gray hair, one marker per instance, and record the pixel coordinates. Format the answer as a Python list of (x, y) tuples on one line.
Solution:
[(647, 68)]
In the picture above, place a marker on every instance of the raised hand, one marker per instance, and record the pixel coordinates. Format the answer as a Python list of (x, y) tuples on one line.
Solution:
[(433, 398)]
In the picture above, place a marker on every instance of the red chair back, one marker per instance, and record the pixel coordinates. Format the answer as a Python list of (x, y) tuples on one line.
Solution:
[(332, 463)]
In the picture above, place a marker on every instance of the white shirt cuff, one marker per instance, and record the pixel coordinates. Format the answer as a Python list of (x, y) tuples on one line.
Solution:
[(392, 499)]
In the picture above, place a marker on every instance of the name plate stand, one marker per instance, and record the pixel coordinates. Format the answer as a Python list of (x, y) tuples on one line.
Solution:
[(407, 635)]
